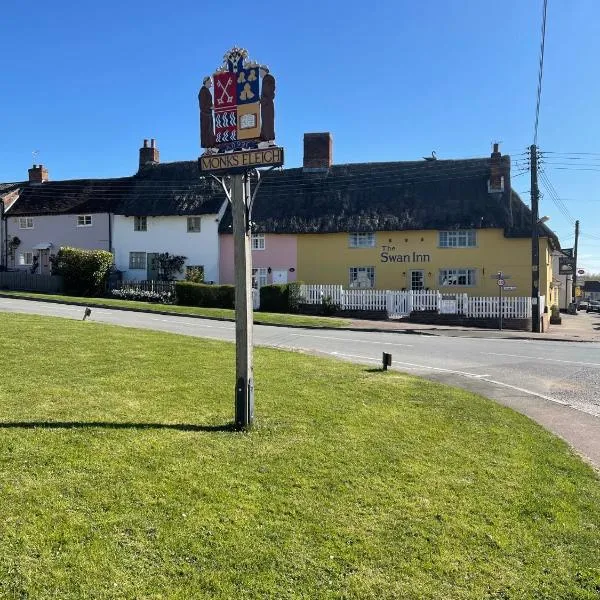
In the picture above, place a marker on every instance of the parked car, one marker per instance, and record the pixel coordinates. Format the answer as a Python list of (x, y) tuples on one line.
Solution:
[(593, 306), (583, 305)]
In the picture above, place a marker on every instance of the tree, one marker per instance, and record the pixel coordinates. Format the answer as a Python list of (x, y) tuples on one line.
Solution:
[(169, 264)]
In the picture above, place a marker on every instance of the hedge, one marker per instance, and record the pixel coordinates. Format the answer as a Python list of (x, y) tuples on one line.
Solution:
[(201, 294), (84, 272), (280, 298)]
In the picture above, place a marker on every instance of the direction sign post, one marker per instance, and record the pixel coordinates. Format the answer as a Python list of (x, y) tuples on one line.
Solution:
[(500, 277)]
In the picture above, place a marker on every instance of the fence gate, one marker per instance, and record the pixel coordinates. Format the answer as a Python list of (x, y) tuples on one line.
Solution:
[(398, 304)]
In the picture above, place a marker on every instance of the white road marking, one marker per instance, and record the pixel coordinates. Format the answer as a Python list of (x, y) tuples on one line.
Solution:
[(413, 365), (464, 373), (323, 337), (545, 359), (523, 390)]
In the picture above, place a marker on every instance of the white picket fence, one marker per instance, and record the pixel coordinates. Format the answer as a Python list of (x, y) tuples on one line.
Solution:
[(399, 304)]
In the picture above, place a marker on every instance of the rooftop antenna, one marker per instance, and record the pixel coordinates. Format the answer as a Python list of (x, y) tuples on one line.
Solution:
[(35, 154)]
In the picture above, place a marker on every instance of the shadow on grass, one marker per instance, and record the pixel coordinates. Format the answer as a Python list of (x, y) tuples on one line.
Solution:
[(375, 370), (109, 425)]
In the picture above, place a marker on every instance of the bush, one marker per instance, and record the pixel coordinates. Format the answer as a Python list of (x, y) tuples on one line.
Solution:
[(328, 306), (280, 298), (84, 272), (200, 294), (195, 274), (143, 295)]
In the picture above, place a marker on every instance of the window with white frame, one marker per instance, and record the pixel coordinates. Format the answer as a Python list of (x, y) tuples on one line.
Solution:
[(137, 260), (84, 220), (457, 277), (362, 277), (459, 238), (26, 258), (193, 224), (259, 278), (258, 241), (25, 222), (140, 224), (362, 239)]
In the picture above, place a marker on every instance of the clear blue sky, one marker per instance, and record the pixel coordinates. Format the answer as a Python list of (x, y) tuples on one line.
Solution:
[(84, 83)]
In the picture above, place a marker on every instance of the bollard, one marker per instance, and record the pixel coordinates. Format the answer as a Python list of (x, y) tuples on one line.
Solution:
[(386, 360)]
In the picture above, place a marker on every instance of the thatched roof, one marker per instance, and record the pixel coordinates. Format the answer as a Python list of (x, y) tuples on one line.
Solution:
[(69, 197), (392, 196), (440, 194), (163, 189)]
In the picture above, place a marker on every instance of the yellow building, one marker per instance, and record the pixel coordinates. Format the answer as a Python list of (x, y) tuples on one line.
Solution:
[(448, 225), (422, 259)]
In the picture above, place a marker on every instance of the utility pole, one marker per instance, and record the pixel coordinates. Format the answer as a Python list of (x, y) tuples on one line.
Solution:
[(575, 260), (535, 243)]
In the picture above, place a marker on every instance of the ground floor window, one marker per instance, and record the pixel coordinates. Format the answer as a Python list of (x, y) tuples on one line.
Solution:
[(137, 260), (456, 277), (362, 277), (259, 278), (26, 258)]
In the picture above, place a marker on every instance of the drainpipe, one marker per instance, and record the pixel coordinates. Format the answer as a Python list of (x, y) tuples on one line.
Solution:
[(4, 241), (109, 232)]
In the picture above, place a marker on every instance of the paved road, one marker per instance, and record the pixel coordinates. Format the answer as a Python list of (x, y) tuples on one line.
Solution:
[(555, 383)]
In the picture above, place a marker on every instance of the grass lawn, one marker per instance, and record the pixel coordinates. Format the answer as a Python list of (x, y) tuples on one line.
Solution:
[(213, 313), (119, 478)]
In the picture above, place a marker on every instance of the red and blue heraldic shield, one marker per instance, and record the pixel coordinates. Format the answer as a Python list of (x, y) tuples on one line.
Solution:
[(225, 90)]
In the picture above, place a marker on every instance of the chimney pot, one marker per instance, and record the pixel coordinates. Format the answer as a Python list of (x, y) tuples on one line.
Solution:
[(152, 143), (145, 143)]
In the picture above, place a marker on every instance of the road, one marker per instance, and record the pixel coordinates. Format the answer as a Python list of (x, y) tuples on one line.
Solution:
[(555, 383)]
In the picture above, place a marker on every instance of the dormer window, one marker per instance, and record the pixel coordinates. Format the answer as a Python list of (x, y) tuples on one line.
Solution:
[(496, 184), (361, 239)]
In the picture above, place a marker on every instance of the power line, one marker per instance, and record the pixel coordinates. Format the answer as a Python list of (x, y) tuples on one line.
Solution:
[(554, 196), (540, 73)]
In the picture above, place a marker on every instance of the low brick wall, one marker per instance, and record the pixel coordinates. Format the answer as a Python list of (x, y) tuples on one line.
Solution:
[(434, 318)]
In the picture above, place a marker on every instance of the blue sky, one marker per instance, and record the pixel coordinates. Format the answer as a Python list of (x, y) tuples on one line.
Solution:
[(84, 83)]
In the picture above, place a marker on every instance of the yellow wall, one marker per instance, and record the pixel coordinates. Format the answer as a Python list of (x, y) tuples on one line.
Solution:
[(327, 258)]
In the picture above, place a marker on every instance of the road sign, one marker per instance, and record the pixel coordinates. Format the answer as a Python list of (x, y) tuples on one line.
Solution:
[(510, 288), (580, 272), (501, 282)]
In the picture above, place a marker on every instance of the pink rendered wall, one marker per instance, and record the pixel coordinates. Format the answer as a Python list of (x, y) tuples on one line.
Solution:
[(280, 253)]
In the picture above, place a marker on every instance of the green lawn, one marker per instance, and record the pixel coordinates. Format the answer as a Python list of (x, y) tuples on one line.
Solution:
[(211, 313), (120, 478)]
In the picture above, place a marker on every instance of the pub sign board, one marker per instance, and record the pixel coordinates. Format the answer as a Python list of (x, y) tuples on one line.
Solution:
[(566, 265)]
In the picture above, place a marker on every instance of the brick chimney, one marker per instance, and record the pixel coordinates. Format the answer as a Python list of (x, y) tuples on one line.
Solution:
[(38, 174), (496, 182), (318, 151), (149, 153)]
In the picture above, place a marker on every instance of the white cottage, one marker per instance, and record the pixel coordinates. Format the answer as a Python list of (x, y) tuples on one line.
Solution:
[(168, 208)]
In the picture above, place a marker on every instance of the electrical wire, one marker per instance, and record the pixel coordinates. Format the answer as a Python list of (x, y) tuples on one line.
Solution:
[(540, 73)]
